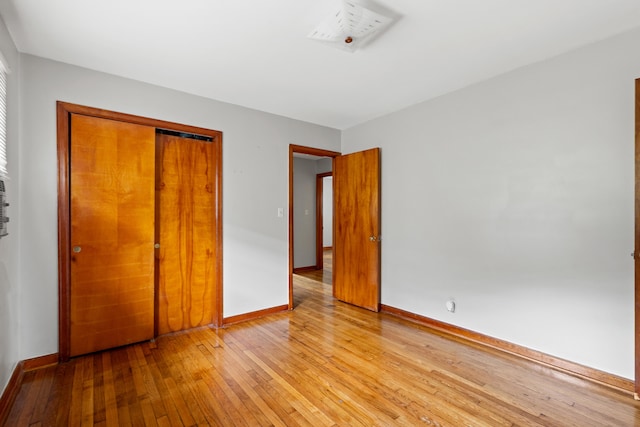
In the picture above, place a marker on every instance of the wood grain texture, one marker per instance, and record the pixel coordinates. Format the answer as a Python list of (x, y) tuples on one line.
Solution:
[(299, 270), (636, 252), (324, 364), (320, 152), (254, 315), (187, 226), (63, 118), (40, 362), (356, 273), (112, 223)]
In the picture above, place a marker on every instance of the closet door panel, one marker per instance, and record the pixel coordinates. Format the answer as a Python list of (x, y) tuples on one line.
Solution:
[(112, 205), (187, 227)]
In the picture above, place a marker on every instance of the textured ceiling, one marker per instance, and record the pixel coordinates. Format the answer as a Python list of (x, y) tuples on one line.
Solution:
[(255, 53)]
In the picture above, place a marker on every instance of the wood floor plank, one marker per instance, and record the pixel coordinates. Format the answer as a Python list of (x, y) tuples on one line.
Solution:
[(39, 409), (33, 379), (224, 391), (298, 400), (181, 394), (157, 368), (196, 364), (148, 388), (240, 368), (110, 402), (325, 363), (295, 372), (87, 403), (147, 412), (75, 406)]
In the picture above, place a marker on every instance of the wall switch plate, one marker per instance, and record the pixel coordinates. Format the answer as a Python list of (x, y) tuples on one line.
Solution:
[(280, 212)]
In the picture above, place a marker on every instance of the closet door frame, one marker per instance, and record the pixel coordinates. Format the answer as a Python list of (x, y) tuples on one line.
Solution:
[(64, 111)]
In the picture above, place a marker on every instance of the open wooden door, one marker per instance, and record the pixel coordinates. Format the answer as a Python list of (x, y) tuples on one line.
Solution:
[(356, 243), (112, 233)]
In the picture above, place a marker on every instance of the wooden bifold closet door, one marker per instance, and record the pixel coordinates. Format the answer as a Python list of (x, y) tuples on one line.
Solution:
[(140, 228)]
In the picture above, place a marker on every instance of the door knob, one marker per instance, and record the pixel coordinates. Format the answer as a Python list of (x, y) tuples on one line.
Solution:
[(77, 249)]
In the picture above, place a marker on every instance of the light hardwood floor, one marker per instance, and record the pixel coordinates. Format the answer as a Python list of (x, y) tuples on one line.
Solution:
[(324, 364)]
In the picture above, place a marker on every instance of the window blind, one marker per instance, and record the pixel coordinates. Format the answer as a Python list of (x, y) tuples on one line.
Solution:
[(3, 122)]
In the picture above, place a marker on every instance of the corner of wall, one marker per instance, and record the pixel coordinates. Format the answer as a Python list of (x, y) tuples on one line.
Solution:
[(10, 245)]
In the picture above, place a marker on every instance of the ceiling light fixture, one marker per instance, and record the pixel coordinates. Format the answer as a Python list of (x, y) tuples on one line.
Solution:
[(350, 27)]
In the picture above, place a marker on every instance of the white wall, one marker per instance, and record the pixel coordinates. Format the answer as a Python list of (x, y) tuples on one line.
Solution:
[(516, 197), (324, 165), (304, 212), (255, 185), (9, 245), (327, 211)]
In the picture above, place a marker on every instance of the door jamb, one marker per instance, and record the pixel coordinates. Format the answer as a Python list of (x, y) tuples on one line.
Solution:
[(636, 253), (63, 112), (302, 150)]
